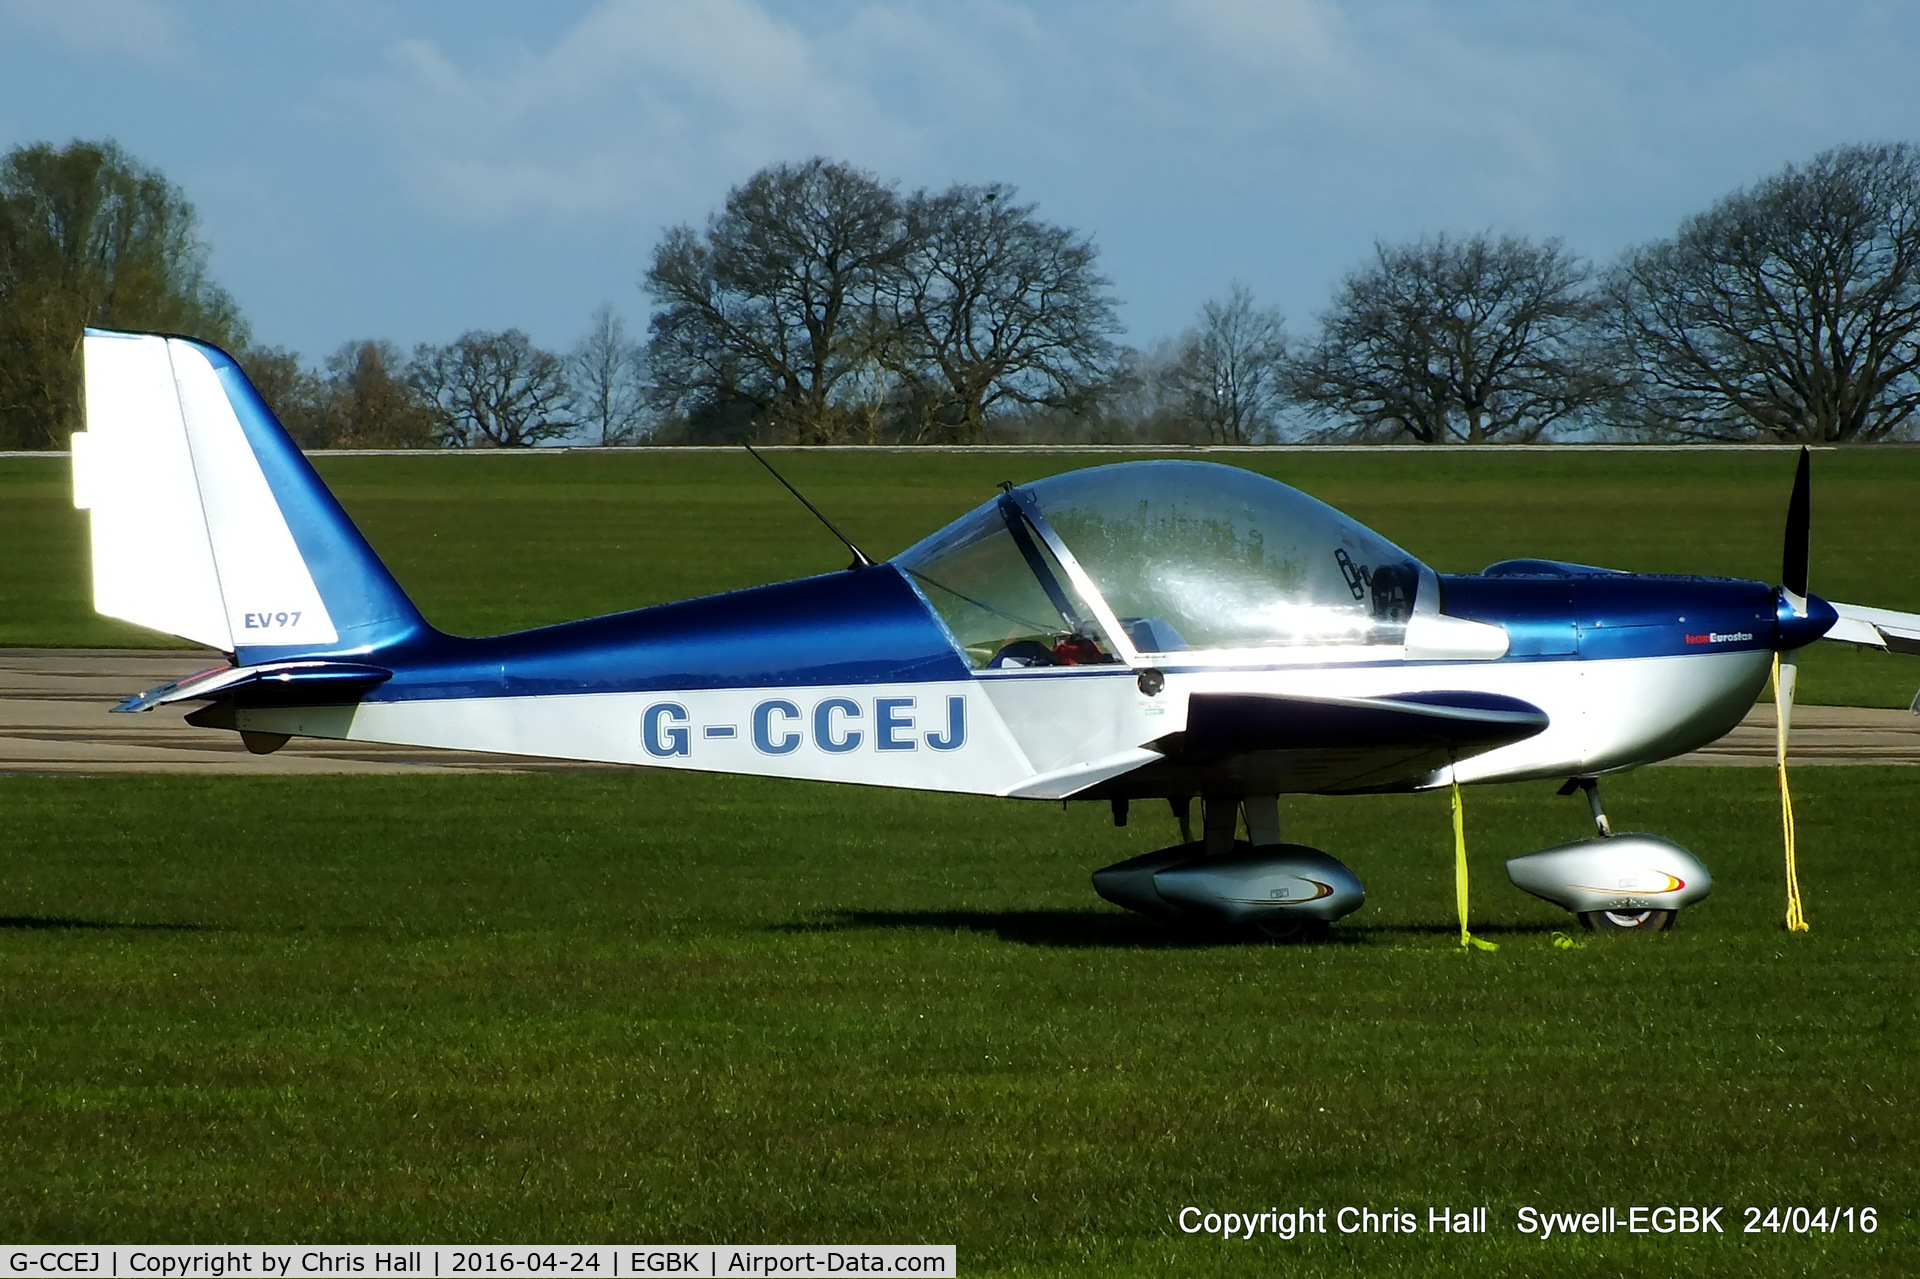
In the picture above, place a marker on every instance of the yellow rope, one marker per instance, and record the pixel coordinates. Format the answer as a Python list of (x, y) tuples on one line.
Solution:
[(1796, 916), (1467, 939)]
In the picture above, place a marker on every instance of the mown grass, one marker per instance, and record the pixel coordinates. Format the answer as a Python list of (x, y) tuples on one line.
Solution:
[(491, 543), (658, 1007), (655, 1007)]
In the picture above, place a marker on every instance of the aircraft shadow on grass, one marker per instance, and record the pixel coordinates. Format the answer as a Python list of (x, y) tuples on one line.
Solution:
[(1090, 929), (43, 923), (1069, 929)]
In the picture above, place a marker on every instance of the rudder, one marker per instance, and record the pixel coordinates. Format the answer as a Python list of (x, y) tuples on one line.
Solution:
[(208, 522)]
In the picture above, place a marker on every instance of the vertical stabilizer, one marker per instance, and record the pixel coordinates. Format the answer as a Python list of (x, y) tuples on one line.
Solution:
[(208, 523)]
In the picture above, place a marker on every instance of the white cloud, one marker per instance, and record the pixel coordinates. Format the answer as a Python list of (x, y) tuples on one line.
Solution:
[(647, 105), (1199, 140), (639, 106)]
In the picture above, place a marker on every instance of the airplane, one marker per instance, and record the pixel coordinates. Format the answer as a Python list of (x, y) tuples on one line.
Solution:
[(1147, 630)]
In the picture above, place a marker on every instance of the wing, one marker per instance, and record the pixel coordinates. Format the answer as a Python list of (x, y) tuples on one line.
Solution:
[(1258, 743), (1876, 628)]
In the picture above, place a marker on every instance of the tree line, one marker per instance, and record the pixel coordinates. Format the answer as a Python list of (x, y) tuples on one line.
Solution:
[(819, 304), (91, 237)]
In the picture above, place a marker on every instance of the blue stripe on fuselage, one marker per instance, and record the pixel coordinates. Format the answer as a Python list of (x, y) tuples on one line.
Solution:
[(865, 627)]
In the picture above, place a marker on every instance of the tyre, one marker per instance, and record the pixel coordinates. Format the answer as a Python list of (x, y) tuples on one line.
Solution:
[(1286, 930), (1626, 921)]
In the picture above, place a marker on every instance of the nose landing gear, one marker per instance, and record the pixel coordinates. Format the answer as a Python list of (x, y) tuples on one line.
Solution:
[(1625, 883), (1626, 921), (1591, 787)]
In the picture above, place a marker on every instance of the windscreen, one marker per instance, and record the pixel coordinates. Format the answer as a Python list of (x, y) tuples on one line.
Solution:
[(1195, 555), (1001, 592)]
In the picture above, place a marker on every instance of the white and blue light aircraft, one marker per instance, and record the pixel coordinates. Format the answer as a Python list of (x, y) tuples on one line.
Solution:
[(1149, 630)]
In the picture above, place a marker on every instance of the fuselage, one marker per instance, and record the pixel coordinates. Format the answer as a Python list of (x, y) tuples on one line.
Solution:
[(851, 677), (1150, 627)]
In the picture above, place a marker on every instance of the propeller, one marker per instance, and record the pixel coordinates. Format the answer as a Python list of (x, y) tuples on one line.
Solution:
[(1799, 539), (1786, 664)]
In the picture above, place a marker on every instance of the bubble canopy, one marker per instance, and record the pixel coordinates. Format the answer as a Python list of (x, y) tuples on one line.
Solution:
[(1159, 557)]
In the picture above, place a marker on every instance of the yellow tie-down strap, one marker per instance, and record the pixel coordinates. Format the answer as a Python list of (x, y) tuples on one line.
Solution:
[(1467, 939), (1796, 916)]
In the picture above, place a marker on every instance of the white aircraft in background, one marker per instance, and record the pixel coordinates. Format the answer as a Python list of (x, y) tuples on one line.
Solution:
[(1147, 630)]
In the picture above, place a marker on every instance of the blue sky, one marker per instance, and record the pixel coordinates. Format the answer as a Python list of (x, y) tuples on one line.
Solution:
[(369, 168)]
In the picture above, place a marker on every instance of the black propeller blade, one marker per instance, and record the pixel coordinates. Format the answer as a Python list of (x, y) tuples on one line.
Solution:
[(1793, 559)]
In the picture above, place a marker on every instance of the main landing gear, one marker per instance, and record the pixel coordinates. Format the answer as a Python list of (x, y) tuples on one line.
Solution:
[(1218, 883)]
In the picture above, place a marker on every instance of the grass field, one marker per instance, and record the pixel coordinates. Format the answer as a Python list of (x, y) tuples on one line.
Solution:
[(668, 1008), (491, 543), (643, 1006)]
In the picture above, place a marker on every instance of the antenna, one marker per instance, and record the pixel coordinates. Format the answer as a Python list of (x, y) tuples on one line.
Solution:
[(860, 557)]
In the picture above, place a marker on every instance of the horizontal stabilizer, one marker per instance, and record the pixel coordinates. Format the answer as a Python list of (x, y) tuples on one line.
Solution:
[(303, 683)]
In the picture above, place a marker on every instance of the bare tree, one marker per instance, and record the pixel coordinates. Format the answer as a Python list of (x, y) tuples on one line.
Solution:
[(607, 374), (493, 390), (363, 401), (1448, 340), (772, 305), (371, 402), (1788, 311), (1142, 396), (988, 305), (1230, 372)]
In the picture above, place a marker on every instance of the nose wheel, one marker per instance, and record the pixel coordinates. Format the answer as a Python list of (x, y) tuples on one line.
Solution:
[(1626, 921), (1614, 882)]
